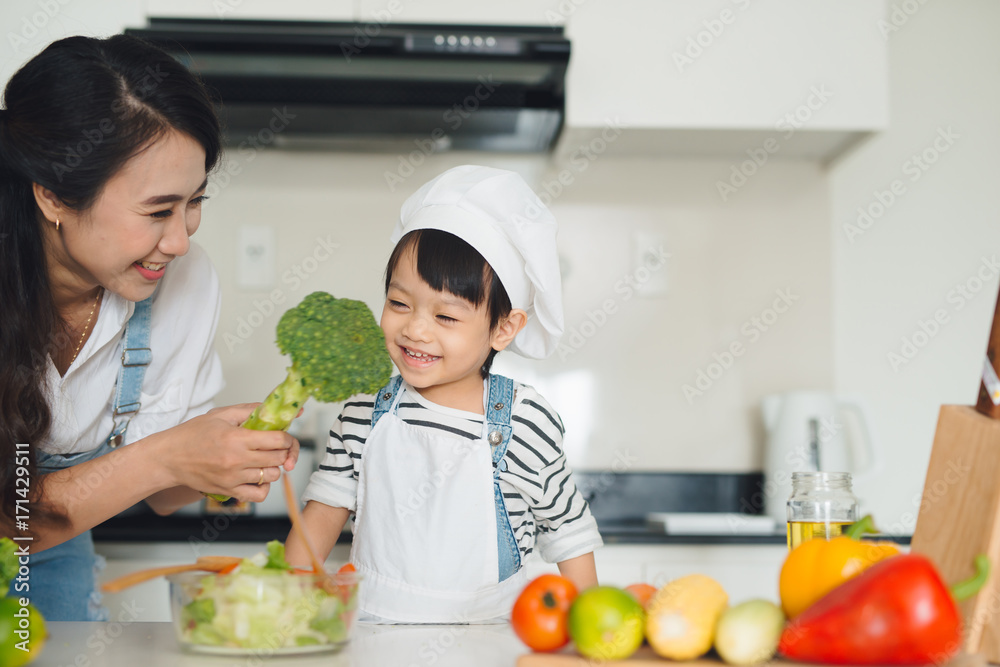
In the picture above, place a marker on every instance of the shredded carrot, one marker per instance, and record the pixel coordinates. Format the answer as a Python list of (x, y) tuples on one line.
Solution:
[(229, 568)]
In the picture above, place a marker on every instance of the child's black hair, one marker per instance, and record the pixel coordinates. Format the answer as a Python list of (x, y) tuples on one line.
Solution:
[(447, 263)]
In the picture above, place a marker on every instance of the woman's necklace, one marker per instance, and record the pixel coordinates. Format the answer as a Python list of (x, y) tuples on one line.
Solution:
[(86, 326)]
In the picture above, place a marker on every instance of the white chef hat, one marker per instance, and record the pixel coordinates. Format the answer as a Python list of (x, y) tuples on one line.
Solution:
[(495, 212)]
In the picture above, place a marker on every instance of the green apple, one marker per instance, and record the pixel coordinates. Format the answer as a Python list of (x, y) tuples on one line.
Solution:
[(606, 623)]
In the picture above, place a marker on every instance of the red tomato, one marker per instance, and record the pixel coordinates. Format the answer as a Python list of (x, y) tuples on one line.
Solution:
[(347, 567), (541, 611)]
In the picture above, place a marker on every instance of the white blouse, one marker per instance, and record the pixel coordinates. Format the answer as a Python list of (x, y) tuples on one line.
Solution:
[(180, 382)]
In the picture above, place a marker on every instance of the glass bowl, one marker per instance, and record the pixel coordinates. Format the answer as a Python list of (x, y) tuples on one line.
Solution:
[(263, 614)]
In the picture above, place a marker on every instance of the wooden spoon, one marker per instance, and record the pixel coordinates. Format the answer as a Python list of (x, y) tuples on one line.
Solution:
[(296, 517), (205, 563), (326, 582)]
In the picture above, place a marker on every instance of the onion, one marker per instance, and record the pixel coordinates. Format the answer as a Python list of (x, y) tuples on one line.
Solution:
[(748, 633)]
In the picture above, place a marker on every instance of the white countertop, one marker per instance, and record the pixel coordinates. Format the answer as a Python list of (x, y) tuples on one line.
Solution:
[(137, 644)]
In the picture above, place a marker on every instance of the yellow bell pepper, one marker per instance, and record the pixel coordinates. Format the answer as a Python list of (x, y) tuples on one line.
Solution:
[(817, 566)]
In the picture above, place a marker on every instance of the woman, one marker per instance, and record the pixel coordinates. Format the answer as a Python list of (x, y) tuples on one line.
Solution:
[(107, 313)]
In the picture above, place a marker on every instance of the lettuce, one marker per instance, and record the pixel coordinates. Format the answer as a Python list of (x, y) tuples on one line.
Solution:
[(263, 605), (276, 556)]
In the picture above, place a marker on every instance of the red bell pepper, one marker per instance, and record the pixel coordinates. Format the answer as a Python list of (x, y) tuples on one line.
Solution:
[(897, 612)]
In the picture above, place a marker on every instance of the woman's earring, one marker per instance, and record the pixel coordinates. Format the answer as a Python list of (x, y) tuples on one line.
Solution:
[(57, 224)]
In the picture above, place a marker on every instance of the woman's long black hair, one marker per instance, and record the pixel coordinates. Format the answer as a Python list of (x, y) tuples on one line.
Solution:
[(71, 118)]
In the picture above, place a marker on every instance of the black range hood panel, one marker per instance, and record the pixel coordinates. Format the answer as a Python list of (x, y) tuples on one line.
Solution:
[(458, 87)]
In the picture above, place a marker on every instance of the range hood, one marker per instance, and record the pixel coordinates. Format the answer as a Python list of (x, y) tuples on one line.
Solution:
[(371, 87)]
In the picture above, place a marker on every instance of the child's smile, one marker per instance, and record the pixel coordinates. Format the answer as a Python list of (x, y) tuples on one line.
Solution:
[(417, 358)]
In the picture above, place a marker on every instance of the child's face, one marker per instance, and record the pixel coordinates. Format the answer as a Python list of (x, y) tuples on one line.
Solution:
[(437, 340)]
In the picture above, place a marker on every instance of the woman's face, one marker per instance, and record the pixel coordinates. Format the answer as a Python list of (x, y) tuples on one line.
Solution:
[(140, 222)]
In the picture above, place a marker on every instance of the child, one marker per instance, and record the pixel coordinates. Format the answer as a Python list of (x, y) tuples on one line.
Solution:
[(453, 474)]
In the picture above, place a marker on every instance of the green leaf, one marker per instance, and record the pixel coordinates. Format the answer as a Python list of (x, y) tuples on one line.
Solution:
[(276, 556)]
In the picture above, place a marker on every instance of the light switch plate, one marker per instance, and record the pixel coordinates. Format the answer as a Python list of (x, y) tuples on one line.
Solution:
[(256, 257)]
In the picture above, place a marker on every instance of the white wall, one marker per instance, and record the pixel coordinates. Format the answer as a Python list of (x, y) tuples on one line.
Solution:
[(27, 26), (907, 264)]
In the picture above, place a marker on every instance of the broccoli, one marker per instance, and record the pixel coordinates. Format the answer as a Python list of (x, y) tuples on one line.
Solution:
[(337, 350)]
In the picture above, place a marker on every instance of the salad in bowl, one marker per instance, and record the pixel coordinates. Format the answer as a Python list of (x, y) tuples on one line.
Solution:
[(262, 605)]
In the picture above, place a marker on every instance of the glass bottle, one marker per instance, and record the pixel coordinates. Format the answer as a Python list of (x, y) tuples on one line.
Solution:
[(821, 506)]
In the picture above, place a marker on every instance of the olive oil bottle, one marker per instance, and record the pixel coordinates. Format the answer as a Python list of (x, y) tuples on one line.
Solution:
[(800, 531), (821, 505)]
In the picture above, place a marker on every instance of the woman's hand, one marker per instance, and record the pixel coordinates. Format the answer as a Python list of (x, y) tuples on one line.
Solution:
[(211, 453)]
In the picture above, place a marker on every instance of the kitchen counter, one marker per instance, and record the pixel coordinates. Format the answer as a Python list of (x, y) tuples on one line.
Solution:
[(120, 644), (123, 643)]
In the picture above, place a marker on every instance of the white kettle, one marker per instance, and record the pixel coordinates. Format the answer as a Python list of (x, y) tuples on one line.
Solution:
[(807, 431)]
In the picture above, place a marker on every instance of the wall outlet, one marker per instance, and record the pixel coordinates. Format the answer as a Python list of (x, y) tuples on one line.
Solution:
[(256, 257)]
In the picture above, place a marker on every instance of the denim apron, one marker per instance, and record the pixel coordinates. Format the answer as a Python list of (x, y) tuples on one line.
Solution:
[(62, 578), (433, 538)]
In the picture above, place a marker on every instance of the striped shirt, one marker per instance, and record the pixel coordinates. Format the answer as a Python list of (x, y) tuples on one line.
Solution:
[(545, 508)]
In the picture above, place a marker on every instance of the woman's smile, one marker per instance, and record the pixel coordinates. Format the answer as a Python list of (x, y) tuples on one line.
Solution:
[(150, 270)]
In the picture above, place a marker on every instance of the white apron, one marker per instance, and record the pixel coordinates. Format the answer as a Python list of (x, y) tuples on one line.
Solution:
[(425, 536)]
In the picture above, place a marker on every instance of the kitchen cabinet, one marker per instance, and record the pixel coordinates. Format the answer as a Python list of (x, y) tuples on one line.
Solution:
[(812, 74)]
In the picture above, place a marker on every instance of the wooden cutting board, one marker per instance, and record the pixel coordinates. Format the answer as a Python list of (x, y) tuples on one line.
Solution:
[(645, 657)]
